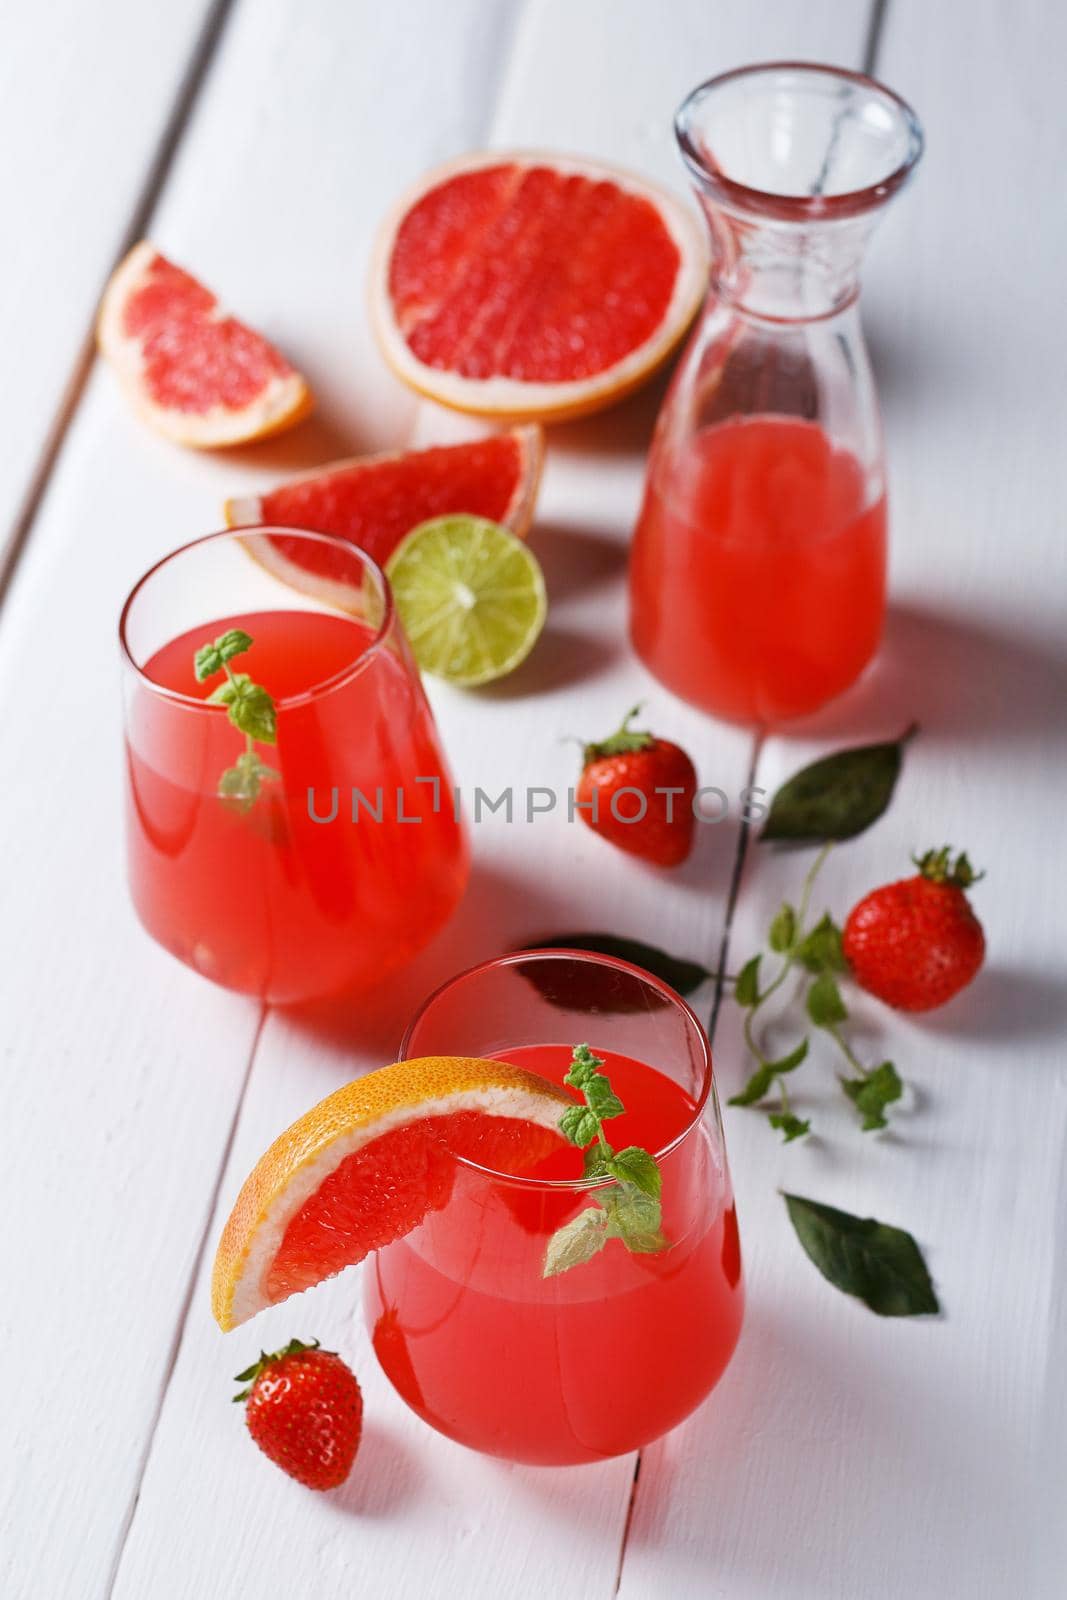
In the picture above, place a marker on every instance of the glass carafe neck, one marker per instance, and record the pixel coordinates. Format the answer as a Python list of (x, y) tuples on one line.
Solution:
[(786, 272), (793, 164)]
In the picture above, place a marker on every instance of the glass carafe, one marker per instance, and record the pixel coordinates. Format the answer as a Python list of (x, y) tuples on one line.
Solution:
[(758, 572)]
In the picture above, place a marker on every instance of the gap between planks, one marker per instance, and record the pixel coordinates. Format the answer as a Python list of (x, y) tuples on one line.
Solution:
[(159, 168)]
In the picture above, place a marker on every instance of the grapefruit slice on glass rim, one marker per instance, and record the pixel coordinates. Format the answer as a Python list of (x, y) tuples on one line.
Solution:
[(526, 285), (367, 1164), (189, 367), (374, 501)]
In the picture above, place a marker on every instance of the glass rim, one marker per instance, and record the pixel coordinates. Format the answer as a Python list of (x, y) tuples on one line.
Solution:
[(799, 208), (512, 958), (282, 702)]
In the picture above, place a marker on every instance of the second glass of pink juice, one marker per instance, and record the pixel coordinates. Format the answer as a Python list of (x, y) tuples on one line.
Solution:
[(600, 1358), (348, 857)]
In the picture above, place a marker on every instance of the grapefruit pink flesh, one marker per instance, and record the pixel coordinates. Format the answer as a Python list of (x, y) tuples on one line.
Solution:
[(382, 1191), (536, 286), (375, 501)]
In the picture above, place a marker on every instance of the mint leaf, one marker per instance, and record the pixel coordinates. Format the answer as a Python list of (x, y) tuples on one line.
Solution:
[(634, 1217), (746, 989), (603, 1102), (207, 662), (577, 1241), (871, 1095), (241, 783), (839, 796), (233, 643), (226, 693), (783, 930), (793, 1059), (825, 1005), (756, 1087), (636, 1166), (584, 1065), (598, 1161), (579, 1125), (879, 1264), (790, 1126), (252, 711), (820, 950)]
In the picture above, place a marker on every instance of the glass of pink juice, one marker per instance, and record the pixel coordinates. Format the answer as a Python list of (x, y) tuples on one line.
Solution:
[(349, 858), (758, 572), (600, 1358)]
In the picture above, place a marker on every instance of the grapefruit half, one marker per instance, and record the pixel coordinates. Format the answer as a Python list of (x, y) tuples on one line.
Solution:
[(192, 370), (374, 501), (528, 285), (367, 1164)]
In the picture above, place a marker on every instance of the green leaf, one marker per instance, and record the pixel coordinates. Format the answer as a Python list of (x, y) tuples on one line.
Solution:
[(252, 711), (233, 643), (207, 662), (839, 796), (634, 1217), (577, 1241), (584, 1065), (598, 1162), (756, 1087), (783, 930), (879, 1264), (793, 1059), (241, 783), (636, 1166), (871, 1095), (604, 1103), (684, 976), (746, 989), (820, 950), (790, 1126), (579, 1125), (825, 1005), (226, 692)]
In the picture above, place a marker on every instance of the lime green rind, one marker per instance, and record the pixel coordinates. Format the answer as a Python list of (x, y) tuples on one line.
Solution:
[(471, 597)]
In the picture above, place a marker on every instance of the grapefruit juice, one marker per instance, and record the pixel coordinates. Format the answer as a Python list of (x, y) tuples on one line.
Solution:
[(600, 1358), (758, 573), (283, 900)]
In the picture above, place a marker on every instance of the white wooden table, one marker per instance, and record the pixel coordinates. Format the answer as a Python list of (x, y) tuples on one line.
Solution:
[(843, 1456)]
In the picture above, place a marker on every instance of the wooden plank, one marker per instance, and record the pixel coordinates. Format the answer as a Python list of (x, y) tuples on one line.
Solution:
[(845, 1455), (433, 1518), (85, 97)]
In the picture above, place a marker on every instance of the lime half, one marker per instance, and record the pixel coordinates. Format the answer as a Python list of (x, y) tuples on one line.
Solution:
[(470, 595)]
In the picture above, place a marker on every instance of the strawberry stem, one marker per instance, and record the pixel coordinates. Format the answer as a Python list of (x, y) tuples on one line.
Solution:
[(937, 866), (624, 741)]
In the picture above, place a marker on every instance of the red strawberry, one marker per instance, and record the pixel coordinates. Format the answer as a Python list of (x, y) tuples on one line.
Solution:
[(916, 943), (650, 822), (305, 1411)]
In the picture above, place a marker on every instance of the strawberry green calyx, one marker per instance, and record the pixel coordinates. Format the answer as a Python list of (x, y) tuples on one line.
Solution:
[(295, 1347), (623, 742), (937, 866)]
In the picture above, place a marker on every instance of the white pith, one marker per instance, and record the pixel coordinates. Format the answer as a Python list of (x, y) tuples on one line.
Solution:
[(220, 425), (515, 398), (494, 1100)]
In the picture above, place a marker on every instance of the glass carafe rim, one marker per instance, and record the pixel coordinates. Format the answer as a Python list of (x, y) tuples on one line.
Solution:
[(592, 958), (796, 208), (380, 634)]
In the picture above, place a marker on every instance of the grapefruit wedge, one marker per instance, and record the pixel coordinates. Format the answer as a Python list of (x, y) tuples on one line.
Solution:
[(374, 501), (534, 285), (192, 370), (367, 1164)]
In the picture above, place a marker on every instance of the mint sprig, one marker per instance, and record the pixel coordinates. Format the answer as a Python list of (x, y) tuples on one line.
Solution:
[(817, 952), (250, 708), (629, 1210)]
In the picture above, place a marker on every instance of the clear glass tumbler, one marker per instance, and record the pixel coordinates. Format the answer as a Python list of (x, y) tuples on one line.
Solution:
[(758, 572), (321, 860), (604, 1356)]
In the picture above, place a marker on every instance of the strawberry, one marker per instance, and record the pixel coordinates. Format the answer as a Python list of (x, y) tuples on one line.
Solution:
[(650, 822), (305, 1411), (916, 943)]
